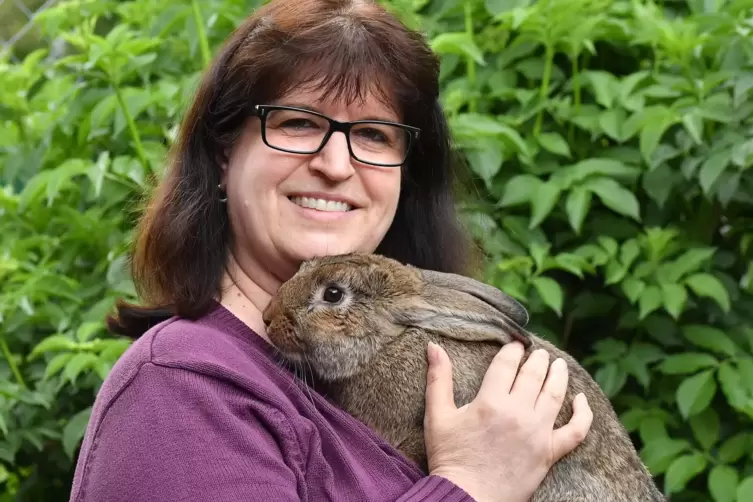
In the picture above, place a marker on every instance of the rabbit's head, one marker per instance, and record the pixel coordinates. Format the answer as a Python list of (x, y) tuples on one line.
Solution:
[(337, 312)]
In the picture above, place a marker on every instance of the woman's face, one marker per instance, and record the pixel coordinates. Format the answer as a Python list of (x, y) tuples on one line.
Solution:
[(285, 207)]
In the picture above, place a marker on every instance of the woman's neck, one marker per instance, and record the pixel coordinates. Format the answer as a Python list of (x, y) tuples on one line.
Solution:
[(246, 291)]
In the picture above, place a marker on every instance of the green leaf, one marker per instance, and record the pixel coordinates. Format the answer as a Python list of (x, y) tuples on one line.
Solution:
[(486, 158), (53, 343), (570, 262), (457, 43), (722, 483), (550, 293), (653, 429), (87, 330), (495, 7), (74, 431), (77, 364), (631, 419), (686, 363), (605, 86), (539, 253), (706, 427), (710, 338), (682, 470), (650, 300), (660, 451), (554, 142), (657, 122), (542, 203), (659, 183), (614, 196), (694, 125), (689, 261), (634, 365), (745, 490), (519, 189), (712, 168), (56, 364), (611, 378), (695, 393), (595, 167), (61, 176), (675, 299), (577, 205), (707, 285), (633, 288), (611, 122), (734, 448), (732, 385), (615, 272)]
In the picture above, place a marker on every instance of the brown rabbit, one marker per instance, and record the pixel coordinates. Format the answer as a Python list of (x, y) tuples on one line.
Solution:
[(362, 322)]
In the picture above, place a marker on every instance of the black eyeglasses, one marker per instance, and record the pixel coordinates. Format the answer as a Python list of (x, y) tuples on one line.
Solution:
[(297, 130)]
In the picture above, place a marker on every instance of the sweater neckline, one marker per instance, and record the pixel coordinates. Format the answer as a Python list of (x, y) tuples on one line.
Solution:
[(221, 318)]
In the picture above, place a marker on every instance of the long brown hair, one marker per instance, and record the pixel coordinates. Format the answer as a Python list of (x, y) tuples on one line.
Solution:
[(344, 47)]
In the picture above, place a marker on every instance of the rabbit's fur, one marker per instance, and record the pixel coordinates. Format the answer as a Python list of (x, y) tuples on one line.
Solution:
[(365, 341)]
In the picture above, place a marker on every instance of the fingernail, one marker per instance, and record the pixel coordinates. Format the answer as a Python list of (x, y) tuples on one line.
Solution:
[(432, 352)]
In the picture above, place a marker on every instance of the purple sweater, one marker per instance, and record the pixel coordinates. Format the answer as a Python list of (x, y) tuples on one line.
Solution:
[(200, 412)]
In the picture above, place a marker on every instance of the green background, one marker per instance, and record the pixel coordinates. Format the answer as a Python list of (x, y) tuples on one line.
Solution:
[(608, 148)]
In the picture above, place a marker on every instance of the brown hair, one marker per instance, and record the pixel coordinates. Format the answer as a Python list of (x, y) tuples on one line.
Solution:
[(344, 47)]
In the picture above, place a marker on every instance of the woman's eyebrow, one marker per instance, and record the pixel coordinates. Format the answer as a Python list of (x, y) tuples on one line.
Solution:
[(385, 117)]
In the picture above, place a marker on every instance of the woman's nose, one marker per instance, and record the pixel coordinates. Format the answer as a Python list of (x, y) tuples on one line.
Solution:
[(334, 160)]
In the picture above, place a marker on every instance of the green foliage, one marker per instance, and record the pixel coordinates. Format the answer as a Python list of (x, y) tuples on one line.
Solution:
[(609, 144)]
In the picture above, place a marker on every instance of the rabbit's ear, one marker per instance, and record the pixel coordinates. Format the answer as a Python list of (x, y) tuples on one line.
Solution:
[(467, 312), (506, 304)]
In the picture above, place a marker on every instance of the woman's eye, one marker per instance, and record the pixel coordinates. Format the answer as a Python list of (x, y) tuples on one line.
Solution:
[(297, 124), (333, 295), (372, 135)]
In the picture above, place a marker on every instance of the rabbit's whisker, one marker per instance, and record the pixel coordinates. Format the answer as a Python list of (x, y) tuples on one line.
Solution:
[(282, 362)]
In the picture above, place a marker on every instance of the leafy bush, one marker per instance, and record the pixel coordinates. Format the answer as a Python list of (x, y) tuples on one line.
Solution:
[(609, 145)]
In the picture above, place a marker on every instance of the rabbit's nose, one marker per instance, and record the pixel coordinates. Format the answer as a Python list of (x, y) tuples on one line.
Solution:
[(270, 312)]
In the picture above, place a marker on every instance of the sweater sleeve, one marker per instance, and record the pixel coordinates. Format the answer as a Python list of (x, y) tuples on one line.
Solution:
[(173, 434), (435, 489)]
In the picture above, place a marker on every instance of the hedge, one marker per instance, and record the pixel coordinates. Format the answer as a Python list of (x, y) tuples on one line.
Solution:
[(608, 147)]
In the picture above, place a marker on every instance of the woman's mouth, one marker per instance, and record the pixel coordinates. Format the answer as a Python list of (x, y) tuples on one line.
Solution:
[(321, 204)]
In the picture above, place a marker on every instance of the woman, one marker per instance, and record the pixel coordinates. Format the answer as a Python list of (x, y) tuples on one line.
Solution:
[(264, 176)]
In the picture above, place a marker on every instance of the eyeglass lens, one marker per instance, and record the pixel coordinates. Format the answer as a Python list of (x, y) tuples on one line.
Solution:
[(304, 132)]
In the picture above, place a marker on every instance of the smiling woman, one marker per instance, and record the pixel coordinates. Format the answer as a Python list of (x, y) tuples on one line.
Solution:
[(317, 130)]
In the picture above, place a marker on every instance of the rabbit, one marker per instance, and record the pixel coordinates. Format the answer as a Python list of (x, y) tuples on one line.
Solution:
[(361, 323)]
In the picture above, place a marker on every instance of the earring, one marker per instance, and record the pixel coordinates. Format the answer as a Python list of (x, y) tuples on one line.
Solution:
[(222, 199)]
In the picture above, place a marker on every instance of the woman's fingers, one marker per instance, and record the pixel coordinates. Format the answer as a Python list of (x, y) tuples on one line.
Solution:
[(439, 392), (531, 377), (553, 392), (501, 373), (570, 435)]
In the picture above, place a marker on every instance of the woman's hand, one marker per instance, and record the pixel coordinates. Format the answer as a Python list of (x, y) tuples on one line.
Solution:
[(501, 446)]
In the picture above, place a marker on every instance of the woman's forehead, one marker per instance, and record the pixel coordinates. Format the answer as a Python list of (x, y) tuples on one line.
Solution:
[(371, 102)]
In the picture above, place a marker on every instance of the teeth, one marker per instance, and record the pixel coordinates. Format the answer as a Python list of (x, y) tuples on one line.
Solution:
[(321, 204)]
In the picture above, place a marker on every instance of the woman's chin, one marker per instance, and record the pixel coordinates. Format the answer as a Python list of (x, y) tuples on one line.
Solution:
[(306, 249)]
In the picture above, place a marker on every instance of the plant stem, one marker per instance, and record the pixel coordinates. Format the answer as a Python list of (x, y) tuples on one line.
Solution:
[(13, 367), (132, 128), (576, 93), (469, 62), (203, 42), (549, 55)]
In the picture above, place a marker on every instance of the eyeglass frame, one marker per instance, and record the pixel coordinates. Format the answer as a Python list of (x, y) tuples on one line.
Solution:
[(261, 111)]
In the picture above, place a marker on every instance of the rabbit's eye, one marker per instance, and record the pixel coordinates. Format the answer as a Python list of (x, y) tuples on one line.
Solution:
[(332, 295)]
